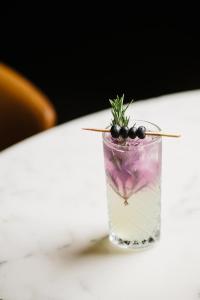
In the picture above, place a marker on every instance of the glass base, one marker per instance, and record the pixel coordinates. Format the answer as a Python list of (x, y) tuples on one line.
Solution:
[(132, 244)]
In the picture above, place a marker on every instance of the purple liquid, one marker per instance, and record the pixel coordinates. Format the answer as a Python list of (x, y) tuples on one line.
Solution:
[(133, 164)]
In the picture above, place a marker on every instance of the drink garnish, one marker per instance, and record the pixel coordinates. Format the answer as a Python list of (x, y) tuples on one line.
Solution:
[(119, 124)]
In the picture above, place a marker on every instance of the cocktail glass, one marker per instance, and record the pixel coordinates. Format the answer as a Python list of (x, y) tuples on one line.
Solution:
[(133, 177)]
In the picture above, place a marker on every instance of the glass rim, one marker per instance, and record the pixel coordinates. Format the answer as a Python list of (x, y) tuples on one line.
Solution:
[(130, 147)]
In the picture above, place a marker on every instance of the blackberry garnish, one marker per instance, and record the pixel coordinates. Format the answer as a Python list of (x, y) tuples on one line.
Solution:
[(141, 132), (124, 132), (115, 130), (132, 132)]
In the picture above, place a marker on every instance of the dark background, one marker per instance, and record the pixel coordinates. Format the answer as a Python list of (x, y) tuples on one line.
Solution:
[(82, 56)]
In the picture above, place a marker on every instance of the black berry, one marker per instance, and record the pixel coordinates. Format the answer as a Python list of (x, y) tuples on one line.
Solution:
[(115, 129), (141, 132), (132, 132), (124, 132)]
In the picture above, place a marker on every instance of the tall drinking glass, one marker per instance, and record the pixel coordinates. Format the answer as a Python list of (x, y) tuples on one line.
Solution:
[(133, 176)]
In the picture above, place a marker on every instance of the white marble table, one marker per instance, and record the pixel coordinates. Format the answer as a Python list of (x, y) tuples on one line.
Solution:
[(53, 214)]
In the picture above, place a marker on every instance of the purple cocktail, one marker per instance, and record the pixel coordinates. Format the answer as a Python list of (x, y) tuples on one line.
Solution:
[(133, 172)]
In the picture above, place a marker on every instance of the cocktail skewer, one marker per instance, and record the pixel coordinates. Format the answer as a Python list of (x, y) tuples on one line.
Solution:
[(156, 133)]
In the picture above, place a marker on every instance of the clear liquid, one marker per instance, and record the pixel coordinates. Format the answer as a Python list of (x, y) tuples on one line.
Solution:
[(136, 224)]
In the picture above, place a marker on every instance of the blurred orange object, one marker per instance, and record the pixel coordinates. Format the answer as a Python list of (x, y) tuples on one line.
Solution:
[(24, 109)]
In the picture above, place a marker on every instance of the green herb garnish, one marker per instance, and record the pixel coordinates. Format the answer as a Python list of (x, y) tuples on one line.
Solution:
[(118, 110)]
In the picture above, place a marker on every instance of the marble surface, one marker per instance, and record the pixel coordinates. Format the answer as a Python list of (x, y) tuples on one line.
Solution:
[(53, 214)]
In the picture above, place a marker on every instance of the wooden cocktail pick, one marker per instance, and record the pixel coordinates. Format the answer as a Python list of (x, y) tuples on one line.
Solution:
[(156, 133)]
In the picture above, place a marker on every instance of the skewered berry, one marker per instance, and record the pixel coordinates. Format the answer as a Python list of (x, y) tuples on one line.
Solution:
[(115, 129), (132, 132), (124, 132), (141, 132)]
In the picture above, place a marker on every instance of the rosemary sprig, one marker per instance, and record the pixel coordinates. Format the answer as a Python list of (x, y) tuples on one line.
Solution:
[(118, 110)]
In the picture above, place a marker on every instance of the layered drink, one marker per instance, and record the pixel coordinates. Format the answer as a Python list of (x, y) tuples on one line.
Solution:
[(133, 174)]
